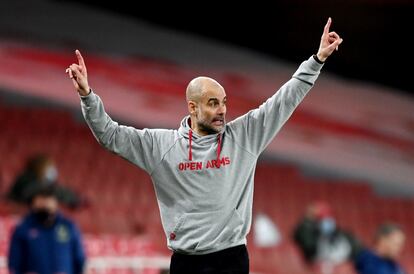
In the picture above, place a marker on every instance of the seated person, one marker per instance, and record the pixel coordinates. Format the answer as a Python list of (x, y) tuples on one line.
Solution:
[(320, 240), (382, 259), (40, 170)]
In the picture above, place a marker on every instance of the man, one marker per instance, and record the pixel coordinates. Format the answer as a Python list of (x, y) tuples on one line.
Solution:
[(46, 242), (203, 172), (389, 242)]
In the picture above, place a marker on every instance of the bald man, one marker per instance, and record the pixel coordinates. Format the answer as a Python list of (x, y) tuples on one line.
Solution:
[(203, 172)]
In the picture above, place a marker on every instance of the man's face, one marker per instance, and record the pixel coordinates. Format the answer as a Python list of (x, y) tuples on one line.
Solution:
[(211, 109), (46, 203), (394, 243)]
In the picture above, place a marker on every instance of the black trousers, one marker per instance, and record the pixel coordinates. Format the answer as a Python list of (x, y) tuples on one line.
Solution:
[(233, 260)]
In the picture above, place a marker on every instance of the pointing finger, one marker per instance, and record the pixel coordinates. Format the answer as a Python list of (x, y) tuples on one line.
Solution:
[(80, 59), (327, 26)]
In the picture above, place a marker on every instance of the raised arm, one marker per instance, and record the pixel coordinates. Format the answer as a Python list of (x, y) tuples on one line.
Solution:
[(256, 129), (136, 146)]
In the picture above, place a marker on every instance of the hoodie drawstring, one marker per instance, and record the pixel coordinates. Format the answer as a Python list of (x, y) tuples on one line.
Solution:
[(190, 142), (218, 147), (190, 153)]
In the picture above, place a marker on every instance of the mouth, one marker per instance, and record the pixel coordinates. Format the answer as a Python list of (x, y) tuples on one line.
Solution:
[(218, 121)]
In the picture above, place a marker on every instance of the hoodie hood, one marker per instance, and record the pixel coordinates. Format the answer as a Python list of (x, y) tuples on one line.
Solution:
[(186, 131)]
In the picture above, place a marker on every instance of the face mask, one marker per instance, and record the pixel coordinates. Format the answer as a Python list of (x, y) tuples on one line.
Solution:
[(44, 215), (51, 174), (327, 226)]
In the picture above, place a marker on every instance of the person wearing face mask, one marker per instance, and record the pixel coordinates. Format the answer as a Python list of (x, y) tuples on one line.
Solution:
[(323, 244), (41, 170), (334, 245), (46, 242)]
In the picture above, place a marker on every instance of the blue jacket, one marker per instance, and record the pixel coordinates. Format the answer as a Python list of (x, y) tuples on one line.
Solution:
[(46, 250), (367, 262)]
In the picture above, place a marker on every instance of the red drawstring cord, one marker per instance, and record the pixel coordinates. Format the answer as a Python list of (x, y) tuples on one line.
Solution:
[(190, 153), (219, 147)]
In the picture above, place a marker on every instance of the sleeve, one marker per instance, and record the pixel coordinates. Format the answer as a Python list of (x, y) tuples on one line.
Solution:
[(134, 145), (16, 250), (364, 264), (79, 256), (256, 129), (305, 236)]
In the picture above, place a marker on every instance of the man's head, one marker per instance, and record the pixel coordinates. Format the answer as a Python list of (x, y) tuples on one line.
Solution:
[(206, 100), (44, 204), (322, 213), (389, 240)]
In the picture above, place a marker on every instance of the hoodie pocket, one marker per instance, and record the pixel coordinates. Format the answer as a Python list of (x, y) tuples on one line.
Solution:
[(203, 231)]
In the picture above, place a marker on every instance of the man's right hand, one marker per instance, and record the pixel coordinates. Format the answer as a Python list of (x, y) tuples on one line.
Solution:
[(330, 41), (79, 75)]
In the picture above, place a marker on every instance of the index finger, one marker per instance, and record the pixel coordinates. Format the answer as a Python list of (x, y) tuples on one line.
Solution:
[(80, 58), (327, 26)]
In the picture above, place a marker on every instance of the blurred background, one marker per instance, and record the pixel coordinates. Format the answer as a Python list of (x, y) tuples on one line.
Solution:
[(350, 143)]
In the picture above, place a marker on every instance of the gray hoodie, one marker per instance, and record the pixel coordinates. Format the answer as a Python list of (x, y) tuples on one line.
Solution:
[(203, 184)]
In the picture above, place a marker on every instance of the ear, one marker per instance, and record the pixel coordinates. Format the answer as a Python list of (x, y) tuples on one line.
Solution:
[(192, 107)]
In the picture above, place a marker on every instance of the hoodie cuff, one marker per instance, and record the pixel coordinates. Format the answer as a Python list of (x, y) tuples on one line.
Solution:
[(314, 65), (317, 59), (87, 99)]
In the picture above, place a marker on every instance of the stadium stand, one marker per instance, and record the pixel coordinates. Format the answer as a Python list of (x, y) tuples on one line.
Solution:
[(123, 219)]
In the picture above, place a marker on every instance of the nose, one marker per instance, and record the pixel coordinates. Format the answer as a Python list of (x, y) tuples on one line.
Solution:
[(222, 110)]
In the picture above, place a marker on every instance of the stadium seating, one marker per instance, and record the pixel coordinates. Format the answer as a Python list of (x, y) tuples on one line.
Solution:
[(123, 217)]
